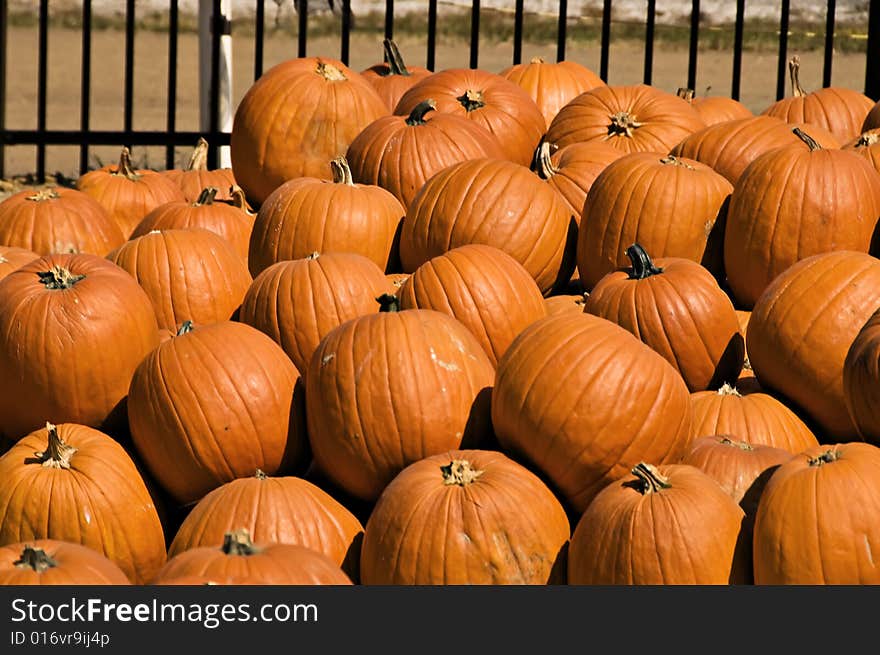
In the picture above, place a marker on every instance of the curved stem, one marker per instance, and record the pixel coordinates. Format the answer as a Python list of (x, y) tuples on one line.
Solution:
[(388, 303), (541, 162), (650, 479), (238, 199), (124, 167), (36, 559), (471, 100), (57, 454), (238, 542), (198, 160), (417, 115), (812, 144), (794, 67), (341, 171), (459, 472), (642, 266), (827, 457), (394, 58), (206, 197), (59, 278)]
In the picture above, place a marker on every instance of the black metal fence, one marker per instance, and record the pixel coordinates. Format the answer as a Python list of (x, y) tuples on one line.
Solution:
[(85, 137)]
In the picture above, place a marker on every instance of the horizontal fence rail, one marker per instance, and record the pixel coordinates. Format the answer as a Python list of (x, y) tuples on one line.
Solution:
[(86, 137)]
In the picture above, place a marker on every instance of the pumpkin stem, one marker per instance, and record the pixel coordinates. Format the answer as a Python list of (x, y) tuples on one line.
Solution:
[(238, 542), (124, 167), (622, 124), (728, 390), (417, 115), (36, 559), (185, 328), (471, 100), (260, 475), (650, 479), (536, 60), (57, 454), (812, 144), (44, 194), (868, 139), (341, 171), (642, 266), (329, 72), (198, 160), (394, 58), (460, 472), (313, 256), (388, 303), (3, 260), (541, 162), (742, 445), (794, 69), (206, 196), (59, 277), (237, 199), (827, 457), (675, 161), (685, 94)]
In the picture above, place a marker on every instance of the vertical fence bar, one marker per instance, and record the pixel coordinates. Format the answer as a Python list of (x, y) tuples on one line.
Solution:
[(649, 41), (389, 19), (475, 34), (345, 40), (432, 34), (872, 65), (829, 42), (517, 32), (694, 44), (171, 108), (259, 31), (128, 111), (217, 18), (605, 43), (561, 34), (303, 16), (43, 71), (4, 33), (782, 63), (736, 77), (85, 85)]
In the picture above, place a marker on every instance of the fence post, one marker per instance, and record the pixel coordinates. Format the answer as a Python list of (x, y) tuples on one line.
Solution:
[(872, 68), (215, 73), (3, 53)]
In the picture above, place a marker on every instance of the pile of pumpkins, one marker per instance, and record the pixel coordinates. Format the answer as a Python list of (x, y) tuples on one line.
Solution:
[(460, 327)]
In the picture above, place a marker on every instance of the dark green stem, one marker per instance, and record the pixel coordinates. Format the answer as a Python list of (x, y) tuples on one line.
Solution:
[(642, 266)]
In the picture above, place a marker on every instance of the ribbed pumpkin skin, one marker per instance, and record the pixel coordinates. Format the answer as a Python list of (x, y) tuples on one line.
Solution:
[(274, 564), (504, 527), (793, 203), (752, 416), (682, 535), (681, 313), (391, 87), (306, 215), (101, 501), (664, 119), (495, 203), (74, 565), (861, 373), (192, 182), (802, 327), (213, 405), (12, 258), (839, 110), (730, 147), (69, 354), (274, 138), (564, 304), (298, 302), (57, 220), (388, 389), (190, 275), (552, 85), (668, 205), (868, 146), (719, 109), (583, 400), (400, 157), (286, 510), (505, 110), (485, 289), (820, 523)]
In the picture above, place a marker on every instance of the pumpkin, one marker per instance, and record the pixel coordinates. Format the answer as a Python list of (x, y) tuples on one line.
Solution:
[(565, 303), (839, 110), (395, 281), (368, 386), (731, 146), (660, 525), (189, 275), (793, 203), (215, 403), (72, 330), (57, 220), (572, 170), (274, 138), (195, 177), (284, 510), (440, 522), (868, 146), (669, 205), (860, 375), (298, 302), (128, 194), (715, 109), (802, 327), (485, 289), (489, 100), (872, 120), (53, 562), (552, 85), (495, 203), (307, 215), (400, 153), (636, 118), (818, 520), (750, 415), (73, 483), (221, 218), (12, 258), (392, 78), (583, 400), (240, 561), (677, 308)]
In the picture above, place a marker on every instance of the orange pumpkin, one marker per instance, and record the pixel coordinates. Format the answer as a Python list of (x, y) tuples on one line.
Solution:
[(860, 376), (565, 303), (868, 146), (12, 259), (715, 109), (392, 78), (195, 177), (53, 562)]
